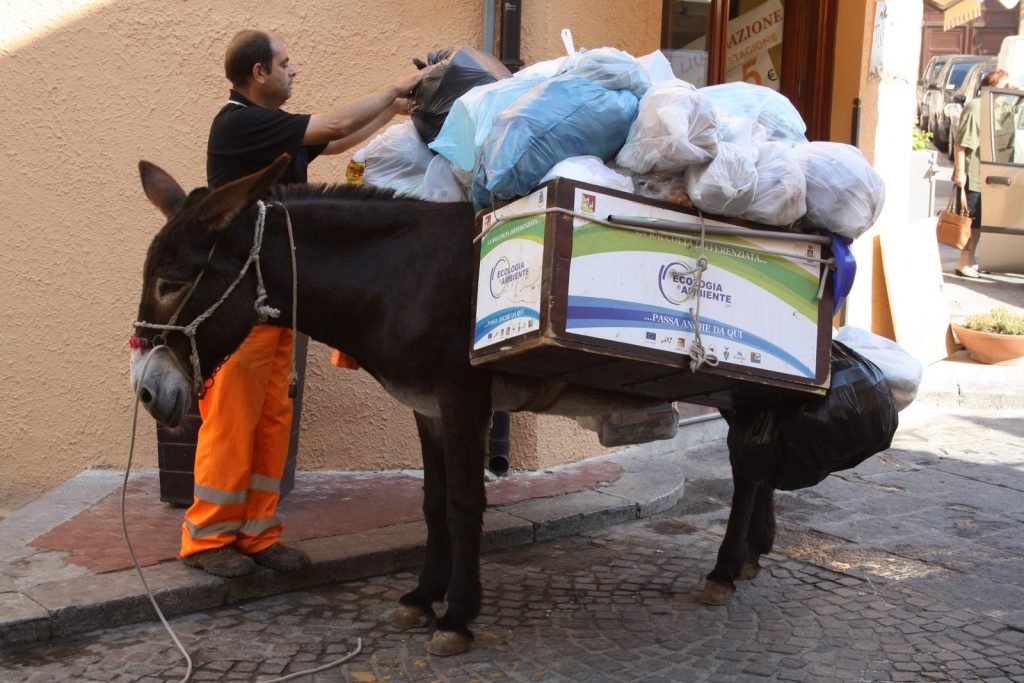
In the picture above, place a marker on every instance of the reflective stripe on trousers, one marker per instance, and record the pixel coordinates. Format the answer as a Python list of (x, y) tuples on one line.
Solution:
[(242, 448)]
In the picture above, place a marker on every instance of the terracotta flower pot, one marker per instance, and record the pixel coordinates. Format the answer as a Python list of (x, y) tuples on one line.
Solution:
[(991, 348)]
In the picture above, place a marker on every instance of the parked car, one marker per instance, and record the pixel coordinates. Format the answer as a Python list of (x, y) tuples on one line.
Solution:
[(952, 75), (928, 75), (1001, 248), (949, 118)]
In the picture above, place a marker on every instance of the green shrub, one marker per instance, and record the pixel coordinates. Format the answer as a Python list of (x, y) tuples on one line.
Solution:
[(921, 139), (998, 321)]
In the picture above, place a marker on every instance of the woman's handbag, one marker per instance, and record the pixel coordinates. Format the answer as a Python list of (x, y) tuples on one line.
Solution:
[(954, 226)]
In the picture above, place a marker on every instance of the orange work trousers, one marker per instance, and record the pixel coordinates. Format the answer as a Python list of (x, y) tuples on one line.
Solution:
[(242, 448)]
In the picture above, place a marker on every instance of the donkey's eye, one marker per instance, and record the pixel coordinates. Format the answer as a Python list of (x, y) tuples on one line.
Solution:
[(167, 288)]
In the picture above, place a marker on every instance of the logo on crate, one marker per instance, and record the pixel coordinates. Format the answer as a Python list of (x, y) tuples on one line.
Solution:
[(651, 336), (504, 273), (674, 282), (588, 203), (680, 343), (755, 357)]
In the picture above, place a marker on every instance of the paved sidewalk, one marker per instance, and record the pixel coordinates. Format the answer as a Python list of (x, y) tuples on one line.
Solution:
[(64, 568)]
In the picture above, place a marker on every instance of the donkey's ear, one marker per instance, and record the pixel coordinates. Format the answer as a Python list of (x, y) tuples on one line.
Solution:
[(161, 188), (227, 202)]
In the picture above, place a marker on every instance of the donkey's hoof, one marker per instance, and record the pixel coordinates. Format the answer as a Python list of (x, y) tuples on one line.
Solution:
[(447, 643), (715, 593), (749, 571), (407, 616)]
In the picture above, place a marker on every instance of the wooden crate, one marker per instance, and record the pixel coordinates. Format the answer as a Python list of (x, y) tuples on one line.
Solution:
[(562, 296)]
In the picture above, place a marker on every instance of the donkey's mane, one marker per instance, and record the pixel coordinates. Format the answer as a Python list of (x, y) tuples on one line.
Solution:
[(298, 191)]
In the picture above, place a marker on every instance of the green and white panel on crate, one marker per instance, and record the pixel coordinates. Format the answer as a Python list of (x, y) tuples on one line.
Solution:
[(757, 309), (508, 292)]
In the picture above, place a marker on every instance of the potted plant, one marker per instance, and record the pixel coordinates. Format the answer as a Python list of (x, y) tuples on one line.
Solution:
[(993, 337)]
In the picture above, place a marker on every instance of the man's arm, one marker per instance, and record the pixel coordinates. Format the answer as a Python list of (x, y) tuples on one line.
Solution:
[(399, 106), (350, 119)]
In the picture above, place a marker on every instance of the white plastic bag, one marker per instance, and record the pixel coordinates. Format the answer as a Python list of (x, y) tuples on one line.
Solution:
[(902, 370), (589, 169), (771, 109), (726, 185), (398, 159), (844, 194), (657, 66), (675, 127), (780, 196), (545, 69), (741, 130), (441, 184)]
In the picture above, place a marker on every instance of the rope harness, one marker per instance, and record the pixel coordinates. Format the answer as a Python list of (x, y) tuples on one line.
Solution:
[(698, 355), (263, 311)]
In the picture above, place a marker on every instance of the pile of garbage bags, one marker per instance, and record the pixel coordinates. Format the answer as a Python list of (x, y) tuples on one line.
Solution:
[(736, 149)]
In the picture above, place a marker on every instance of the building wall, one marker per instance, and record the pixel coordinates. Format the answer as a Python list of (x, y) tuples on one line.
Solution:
[(93, 86)]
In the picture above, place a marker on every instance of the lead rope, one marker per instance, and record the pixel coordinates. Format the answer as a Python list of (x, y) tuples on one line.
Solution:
[(293, 377), (138, 567)]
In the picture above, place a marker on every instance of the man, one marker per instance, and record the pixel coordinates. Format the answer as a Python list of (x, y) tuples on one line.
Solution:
[(243, 443), (967, 169)]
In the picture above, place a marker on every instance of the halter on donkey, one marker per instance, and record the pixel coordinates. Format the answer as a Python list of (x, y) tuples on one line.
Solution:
[(389, 280)]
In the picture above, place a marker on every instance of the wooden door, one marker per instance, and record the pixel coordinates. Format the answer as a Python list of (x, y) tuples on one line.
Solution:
[(807, 60)]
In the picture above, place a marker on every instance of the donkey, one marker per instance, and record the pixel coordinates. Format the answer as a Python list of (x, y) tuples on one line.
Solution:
[(388, 280)]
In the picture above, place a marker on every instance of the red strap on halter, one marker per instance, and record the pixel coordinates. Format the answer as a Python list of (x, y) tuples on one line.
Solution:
[(138, 343)]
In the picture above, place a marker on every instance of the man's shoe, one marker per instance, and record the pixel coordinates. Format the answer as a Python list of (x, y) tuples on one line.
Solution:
[(281, 558), (221, 562)]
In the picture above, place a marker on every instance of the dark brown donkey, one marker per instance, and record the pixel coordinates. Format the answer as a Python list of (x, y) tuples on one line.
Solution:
[(388, 280)]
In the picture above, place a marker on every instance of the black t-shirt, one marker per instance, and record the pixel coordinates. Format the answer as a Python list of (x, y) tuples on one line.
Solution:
[(246, 138)]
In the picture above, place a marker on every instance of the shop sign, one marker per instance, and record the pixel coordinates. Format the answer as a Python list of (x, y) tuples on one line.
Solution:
[(753, 32)]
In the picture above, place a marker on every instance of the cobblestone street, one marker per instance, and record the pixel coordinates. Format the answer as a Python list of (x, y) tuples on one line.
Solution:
[(909, 568)]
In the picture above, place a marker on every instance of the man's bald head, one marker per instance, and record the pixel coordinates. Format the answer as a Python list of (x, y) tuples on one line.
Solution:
[(245, 50)]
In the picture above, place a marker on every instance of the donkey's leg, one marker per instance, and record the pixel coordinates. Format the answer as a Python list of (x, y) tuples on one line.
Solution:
[(465, 417), (761, 534), (719, 586), (416, 607)]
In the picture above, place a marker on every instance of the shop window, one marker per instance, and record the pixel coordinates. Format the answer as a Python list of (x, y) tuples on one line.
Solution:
[(685, 28)]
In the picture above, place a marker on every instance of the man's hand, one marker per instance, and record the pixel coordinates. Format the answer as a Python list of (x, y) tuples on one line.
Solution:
[(959, 178), (406, 85)]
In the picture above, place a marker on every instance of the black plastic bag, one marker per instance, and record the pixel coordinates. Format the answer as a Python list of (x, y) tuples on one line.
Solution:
[(436, 94), (797, 446), (854, 420)]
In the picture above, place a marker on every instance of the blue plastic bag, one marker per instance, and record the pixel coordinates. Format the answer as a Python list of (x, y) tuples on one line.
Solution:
[(469, 120), (846, 271), (560, 118)]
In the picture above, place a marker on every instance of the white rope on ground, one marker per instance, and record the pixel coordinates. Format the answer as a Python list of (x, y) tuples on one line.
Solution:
[(124, 520), (138, 567)]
